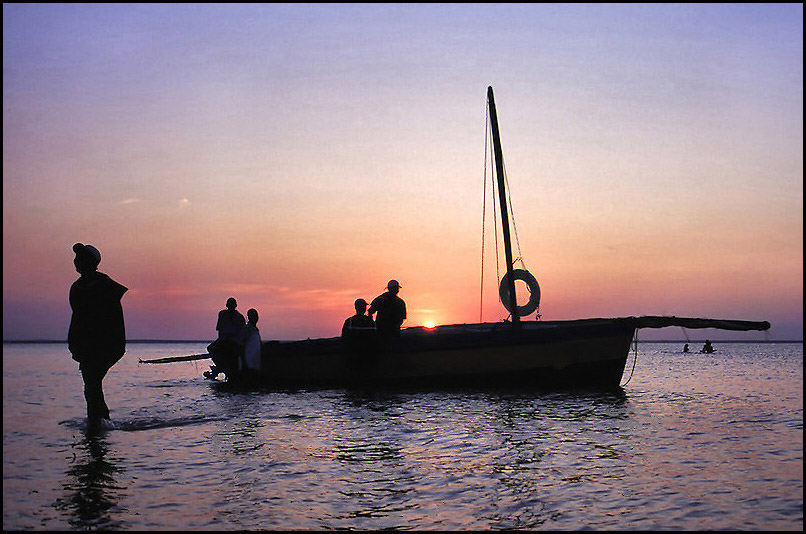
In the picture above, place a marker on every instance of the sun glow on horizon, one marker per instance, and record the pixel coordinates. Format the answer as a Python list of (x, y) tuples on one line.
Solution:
[(429, 324)]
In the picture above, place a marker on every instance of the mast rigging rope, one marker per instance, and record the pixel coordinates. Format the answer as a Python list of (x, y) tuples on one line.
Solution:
[(483, 219)]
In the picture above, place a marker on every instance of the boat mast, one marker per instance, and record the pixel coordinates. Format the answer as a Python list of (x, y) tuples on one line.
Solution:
[(502, 197)]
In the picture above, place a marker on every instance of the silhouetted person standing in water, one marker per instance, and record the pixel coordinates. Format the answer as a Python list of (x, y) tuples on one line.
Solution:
[(391, 311), (97, 335)]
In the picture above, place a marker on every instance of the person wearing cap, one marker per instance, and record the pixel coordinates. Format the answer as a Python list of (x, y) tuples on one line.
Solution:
[(97, 334), (360, 339), (360, 324), (391, 311)]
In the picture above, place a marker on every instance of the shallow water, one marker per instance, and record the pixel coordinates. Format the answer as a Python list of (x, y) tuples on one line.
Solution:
[(693, 442)]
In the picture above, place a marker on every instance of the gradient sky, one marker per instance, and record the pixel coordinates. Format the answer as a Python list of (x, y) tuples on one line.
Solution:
[(299, 156)]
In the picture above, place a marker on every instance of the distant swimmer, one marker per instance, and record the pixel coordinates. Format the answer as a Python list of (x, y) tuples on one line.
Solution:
[(97, 334)]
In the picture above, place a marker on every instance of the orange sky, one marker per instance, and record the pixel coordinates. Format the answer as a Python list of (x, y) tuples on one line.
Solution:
[(298, 157)]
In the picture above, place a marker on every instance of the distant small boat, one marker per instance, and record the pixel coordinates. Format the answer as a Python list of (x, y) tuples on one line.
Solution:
[(584, 353)]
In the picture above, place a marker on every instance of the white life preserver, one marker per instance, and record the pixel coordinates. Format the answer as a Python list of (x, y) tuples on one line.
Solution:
[(534, 289)]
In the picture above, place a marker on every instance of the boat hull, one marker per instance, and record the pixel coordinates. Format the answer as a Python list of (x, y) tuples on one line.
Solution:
[(589, 354)]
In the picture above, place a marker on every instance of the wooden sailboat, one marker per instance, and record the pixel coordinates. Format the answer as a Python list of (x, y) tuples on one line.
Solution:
[(585, 353)]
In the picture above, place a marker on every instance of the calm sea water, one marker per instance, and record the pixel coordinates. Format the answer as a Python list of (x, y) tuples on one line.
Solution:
[(694, 442)]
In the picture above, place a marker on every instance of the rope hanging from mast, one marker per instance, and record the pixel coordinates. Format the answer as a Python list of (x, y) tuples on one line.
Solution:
[(517, 274), (512, 217), (483, 219), (487, 134)]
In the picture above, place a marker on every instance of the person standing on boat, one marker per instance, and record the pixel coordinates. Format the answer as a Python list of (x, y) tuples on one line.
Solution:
[(97, 334), (251, 342), (391, 311), (227, 349)]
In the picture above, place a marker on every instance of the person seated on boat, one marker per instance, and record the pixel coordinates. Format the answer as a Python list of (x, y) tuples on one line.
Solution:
[(227, 349), (360, 339), (685, 347), (707, 348), (391, 311), (250, 339), (360, 328)]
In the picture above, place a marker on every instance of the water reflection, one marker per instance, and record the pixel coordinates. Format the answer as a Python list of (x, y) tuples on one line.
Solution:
[(370, 435), (91, 492), (527, 453), (377, 486), (534, 470)]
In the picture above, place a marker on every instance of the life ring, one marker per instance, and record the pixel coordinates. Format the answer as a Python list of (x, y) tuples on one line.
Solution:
[(534, 298)]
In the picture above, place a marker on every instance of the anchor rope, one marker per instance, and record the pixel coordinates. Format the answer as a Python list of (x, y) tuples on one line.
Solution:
[(635, 357)]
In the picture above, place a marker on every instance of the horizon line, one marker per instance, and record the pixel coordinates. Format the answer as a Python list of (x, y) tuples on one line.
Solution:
[(209, 341)]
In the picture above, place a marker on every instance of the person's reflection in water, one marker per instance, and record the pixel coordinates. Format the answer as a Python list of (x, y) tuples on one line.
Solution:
[(91, 492)]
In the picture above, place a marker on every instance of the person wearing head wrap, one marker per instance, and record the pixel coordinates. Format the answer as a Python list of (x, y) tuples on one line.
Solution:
[(391, 311), (97, 335), (250, 336)]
